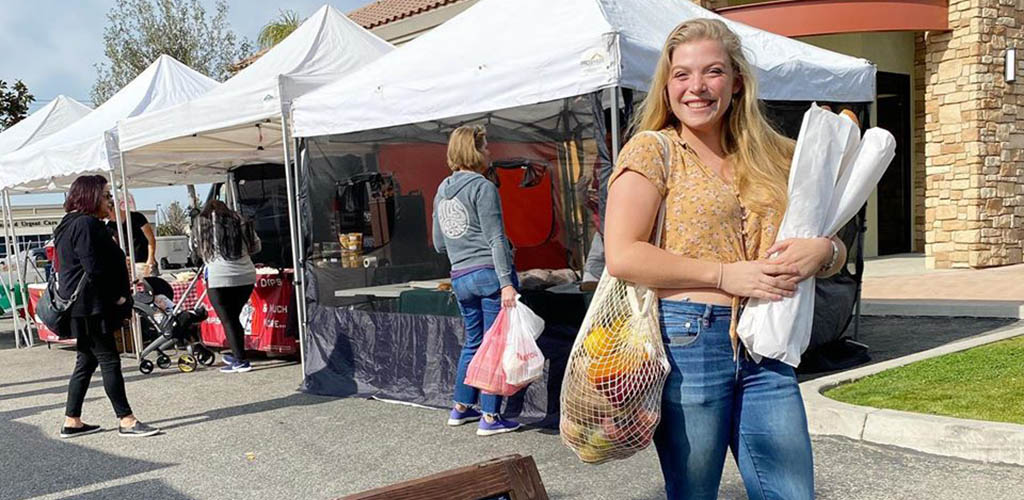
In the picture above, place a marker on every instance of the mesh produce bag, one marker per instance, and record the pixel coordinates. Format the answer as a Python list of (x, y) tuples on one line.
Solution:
[(612, 390)]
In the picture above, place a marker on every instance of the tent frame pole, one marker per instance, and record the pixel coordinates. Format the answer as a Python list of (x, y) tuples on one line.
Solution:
[(114, 188), (297, 244), (27, 328), (136, 327), (615, 125), (8, 285), (297, 275)]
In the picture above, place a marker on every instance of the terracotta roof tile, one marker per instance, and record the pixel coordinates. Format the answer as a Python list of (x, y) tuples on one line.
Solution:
[(385, 11)]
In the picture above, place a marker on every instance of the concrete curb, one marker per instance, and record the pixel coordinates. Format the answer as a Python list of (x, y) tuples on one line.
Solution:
[(943, 308), (953, 437)]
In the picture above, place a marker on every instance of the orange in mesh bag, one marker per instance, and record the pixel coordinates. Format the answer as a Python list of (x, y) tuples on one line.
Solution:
[(612, 390)]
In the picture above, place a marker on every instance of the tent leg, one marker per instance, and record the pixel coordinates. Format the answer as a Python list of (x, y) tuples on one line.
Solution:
[(19, 334), (297, 244), (115, 190), (27, 330), (297, 277), (615, 124), (136, 327)]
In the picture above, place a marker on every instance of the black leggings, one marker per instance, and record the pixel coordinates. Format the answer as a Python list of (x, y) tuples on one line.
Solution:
[(96, 347), (228, 302)]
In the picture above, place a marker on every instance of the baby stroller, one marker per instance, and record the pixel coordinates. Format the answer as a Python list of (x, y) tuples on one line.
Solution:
[(166, 325)]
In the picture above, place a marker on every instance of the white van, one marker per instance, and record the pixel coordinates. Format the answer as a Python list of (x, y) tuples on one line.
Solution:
[(172, 252)]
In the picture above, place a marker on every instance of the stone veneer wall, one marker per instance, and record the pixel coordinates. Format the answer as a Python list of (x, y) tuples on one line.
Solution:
[(974, 156)]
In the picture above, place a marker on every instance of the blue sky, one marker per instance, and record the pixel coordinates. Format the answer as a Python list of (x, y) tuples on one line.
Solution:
[(53, 45)]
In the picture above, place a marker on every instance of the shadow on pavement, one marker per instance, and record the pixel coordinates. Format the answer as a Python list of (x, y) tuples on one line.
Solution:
[(131, 374), (296, 399), (150, 489), (891, 337), (36, 462)]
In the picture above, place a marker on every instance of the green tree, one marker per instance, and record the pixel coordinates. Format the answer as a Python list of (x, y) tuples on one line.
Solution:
[(278, 29), (139, 31), (173, 221), (14, 101)]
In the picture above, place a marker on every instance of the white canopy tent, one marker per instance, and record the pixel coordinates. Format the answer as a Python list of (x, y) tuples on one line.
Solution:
[(48, 120), (239, 121), (500, 55), (531, 70), (52, 164), (89, 145)]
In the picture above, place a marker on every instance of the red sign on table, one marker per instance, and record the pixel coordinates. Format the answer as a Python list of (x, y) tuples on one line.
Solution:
[(265, 317)]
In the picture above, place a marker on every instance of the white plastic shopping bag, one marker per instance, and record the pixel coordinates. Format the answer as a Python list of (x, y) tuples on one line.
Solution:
[(522, 360), (832, 167)]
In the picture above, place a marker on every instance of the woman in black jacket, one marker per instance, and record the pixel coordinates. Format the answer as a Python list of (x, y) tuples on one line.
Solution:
[(85, 250)]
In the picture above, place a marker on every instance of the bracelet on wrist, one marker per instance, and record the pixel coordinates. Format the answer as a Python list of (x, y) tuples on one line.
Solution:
[(833, 259)]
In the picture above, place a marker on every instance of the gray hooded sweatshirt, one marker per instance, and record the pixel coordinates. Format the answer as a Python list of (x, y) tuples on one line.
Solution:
[(468, 225)]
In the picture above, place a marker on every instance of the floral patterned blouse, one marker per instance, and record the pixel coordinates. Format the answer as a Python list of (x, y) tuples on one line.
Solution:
[(705, 217)]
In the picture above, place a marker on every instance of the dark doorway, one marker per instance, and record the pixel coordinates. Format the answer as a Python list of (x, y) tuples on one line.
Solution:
[(895, 221)]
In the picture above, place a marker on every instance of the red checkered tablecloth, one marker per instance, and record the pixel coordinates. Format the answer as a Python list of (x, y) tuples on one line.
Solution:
[(179, 290)]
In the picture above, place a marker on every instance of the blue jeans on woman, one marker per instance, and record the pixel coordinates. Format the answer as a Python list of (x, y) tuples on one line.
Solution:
[(713, 402), (479, 296)]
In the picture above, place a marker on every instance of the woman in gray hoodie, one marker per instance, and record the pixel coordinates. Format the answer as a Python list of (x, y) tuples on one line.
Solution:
[(469, 228)]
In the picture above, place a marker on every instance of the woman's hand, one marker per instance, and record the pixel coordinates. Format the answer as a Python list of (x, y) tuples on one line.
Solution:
[(759, 279), (508, 296), (806, 255)]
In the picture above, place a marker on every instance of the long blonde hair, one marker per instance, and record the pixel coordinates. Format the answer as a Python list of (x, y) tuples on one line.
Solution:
[(759, 155), (466, 149)]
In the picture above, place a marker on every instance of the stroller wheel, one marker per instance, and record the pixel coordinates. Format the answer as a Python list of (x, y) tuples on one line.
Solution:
[(163, 361), (146, 366), (187, 363), (204, 355)]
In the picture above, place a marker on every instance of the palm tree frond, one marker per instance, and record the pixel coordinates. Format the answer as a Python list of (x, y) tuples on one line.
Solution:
[(278, 29)]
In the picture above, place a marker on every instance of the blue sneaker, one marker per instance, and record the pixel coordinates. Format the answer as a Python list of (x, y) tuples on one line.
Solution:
[(498, 426), (463, 417), (227, 359), (242, 367)]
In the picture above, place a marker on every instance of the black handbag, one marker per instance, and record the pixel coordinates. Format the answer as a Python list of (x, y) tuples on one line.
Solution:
[(53, 310)]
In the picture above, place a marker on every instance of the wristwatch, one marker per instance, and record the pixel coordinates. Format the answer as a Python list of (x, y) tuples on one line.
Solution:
[(832, 261)]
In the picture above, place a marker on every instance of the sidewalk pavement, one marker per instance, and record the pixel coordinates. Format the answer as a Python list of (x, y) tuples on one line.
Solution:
[(900, 285)]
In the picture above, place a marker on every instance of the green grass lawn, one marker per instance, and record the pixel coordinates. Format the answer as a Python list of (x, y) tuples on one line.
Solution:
[(984, 383)]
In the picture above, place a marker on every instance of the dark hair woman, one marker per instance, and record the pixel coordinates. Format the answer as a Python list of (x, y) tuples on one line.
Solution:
[(225, 241), (85, 251)]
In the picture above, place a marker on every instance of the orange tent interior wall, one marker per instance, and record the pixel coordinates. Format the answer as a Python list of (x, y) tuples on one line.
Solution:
[(531, 215)]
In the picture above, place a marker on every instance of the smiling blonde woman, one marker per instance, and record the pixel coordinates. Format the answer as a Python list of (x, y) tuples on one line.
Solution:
[(724, 195)]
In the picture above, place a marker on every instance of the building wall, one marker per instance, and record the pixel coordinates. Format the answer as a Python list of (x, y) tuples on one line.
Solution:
[(973, 151), (404, 30), (894, 53)]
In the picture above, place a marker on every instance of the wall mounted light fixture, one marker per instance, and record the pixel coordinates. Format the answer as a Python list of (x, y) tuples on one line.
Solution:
[(1010, 65)]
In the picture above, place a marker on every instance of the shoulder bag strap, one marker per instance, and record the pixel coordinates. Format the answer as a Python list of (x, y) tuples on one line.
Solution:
[(666, 157)]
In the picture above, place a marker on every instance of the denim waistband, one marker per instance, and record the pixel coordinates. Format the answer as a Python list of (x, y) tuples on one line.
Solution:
[(695, 308)]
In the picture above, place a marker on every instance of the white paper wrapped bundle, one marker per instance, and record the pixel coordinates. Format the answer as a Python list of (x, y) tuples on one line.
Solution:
[(832, 174)]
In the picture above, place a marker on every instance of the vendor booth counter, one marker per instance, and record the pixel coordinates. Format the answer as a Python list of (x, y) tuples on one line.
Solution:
[(267, 319), (403, 343)]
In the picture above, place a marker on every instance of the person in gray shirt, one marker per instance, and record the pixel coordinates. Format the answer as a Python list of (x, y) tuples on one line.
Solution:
[(225, 241), (468, 227)]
